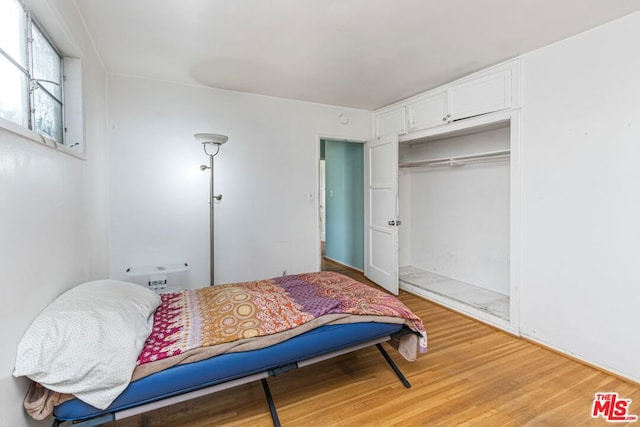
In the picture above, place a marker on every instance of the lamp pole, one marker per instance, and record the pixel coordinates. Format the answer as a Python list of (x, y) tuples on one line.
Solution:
[(217, 140), (212, 197)]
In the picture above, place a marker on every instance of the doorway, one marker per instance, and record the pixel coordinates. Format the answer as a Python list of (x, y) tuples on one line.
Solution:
[(341, 202)]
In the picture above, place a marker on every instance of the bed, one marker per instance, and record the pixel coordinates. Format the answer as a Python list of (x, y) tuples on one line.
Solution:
[(189, 344)]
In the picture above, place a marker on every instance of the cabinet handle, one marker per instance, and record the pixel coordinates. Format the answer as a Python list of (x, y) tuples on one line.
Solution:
[(448, 115)]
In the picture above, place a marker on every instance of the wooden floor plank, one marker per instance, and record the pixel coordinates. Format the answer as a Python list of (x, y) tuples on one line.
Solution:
[(472, 375)]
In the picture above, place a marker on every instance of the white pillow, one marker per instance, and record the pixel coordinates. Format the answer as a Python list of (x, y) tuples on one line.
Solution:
[(87, 341)]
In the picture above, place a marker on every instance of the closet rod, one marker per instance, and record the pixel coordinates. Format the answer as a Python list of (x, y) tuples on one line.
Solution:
[(491, 156)]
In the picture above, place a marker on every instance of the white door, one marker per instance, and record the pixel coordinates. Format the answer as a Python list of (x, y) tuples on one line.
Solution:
[(381, 201)]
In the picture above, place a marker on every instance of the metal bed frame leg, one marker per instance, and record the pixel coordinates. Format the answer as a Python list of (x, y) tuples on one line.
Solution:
[(272, 405), (395, 368)]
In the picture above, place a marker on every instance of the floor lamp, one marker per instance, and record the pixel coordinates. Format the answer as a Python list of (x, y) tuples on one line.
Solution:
[(207, 140)]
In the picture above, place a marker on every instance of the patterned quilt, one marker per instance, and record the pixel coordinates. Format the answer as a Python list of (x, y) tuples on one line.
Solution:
[(195, 325), (230, 313)]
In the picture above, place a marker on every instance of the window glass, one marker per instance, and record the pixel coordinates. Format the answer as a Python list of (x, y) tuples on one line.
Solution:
[(12, 30), (47, 117), (32, 91), (14, 100), (47, 64)]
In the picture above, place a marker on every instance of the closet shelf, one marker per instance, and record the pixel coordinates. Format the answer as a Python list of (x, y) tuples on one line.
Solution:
[(491, 156), (485, 300)]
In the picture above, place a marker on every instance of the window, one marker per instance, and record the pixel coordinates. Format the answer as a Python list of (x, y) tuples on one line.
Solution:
[(31, 74)]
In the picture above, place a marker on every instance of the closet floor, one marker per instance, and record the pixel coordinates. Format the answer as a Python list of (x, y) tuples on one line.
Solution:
[(479, 298)]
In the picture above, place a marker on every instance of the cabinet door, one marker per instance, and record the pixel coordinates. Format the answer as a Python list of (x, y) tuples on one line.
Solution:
[(481, 95), (391, 122), (427, 112)]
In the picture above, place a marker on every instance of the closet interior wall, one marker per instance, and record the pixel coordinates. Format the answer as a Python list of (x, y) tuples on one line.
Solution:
[(455, 234)]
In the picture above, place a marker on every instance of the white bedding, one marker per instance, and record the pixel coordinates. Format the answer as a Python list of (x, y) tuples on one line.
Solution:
[(87, 341)]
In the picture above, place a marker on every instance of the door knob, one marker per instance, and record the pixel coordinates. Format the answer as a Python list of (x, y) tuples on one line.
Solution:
[(392, 223)]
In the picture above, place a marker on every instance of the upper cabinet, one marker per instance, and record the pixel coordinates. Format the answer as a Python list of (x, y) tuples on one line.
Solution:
[(390, 121), (481, 93), (427, 111), (479, 96)]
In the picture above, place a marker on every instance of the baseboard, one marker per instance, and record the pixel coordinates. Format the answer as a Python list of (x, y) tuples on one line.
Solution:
[(606, 370), (538, 343), (350, 267)]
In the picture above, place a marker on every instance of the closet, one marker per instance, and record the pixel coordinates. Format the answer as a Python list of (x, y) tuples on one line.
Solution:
[(457, 215), (454, 197)]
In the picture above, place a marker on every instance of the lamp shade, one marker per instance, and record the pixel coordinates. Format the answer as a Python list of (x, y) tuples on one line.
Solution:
[(210, 138)]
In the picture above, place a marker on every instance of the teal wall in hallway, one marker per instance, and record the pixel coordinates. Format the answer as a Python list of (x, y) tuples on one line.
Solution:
[(345, 202)]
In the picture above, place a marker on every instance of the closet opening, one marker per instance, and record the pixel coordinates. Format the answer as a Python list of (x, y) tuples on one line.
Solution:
[(455, 204)]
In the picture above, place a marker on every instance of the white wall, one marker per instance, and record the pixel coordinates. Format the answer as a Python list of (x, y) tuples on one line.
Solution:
[(581, 196), (159, 199), (458, 217), (53, 217)]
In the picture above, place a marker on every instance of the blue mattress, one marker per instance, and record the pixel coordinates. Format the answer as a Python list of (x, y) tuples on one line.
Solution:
[(193, 376)]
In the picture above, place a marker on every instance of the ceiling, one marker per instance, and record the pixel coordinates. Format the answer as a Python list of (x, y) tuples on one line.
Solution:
[(352, 53)]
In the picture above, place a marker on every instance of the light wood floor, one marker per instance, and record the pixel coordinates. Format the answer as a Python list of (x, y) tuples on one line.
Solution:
[(471, 375)]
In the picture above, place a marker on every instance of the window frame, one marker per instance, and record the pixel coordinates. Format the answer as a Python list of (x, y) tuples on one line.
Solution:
[(68, 111)]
